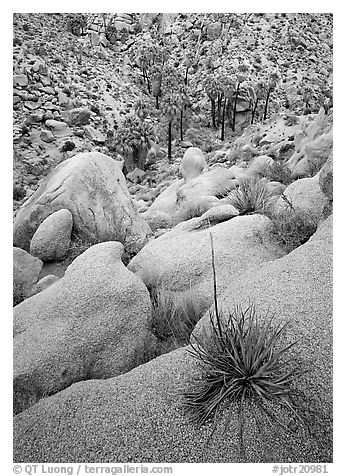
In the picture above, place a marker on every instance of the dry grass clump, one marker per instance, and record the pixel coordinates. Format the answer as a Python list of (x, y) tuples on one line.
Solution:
[(291, 227), (251, 196), (174, 317), (242, 358), (278, 171)]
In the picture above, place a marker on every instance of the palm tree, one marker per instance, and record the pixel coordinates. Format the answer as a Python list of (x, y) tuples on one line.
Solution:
[(212, 89), (272, 83), (171, 110), (242, 69), (260, 91)]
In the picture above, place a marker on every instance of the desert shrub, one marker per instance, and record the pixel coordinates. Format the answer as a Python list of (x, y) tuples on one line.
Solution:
[(78, 246), (291, 119), (18, 191), (278, 171), (291, 227), (251, 196), (243, 359), (76, 23), (174, 317), (67, 146), (315, 165), (19, 294), (286, 151)]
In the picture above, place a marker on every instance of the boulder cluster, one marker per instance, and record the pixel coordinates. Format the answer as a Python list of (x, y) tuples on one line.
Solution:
[(94, 379)]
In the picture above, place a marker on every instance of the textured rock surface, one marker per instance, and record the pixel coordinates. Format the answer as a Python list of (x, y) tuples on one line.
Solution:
[(305, 195), (52, 238), (43, 283), (92, 187), (180, 260), (181, 200), (326, 178), (192, 164), (136, 416), (92, 323), (26, 270)]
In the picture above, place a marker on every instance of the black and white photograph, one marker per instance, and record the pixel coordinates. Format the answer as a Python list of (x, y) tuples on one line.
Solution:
[(172, 241)]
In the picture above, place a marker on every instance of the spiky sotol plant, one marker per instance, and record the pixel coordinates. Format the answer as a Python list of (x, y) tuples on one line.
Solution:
[(243, 358)]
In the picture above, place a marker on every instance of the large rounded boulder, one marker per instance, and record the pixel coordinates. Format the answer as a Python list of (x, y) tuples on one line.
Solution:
[(304, 195), (193, 163), (92, 323), (51, 240), (93, 188), (181, 260)]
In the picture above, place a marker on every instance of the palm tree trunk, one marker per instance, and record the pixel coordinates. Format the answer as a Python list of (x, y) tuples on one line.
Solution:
[(181, 124), (157, 102), (235, 107), (185, 80), (266, 106), (219, 100), (223, 120), (146, 79), (254, 111), (213, 112), (170, 141)]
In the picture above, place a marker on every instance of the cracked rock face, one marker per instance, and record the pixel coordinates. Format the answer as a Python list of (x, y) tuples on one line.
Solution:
[(92, 187)]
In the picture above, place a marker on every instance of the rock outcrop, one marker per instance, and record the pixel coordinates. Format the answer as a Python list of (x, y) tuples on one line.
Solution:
[(181, 201), (92, 187), (92, 323), (304, 195), (180, 260)]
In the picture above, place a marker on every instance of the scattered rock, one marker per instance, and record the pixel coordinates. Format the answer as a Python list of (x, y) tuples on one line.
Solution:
[(59, 128), (136, 176), (77, 117), (47, 136), (20, 80), (94, 135)]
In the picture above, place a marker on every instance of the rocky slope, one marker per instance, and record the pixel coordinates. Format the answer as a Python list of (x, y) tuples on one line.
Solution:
[(56, 71)]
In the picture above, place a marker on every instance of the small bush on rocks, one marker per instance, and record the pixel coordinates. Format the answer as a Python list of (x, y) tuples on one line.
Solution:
[(174, 317), (251, 196), (242, 359), (292, 228), (278, 172), (314, 166), (76, 23)]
